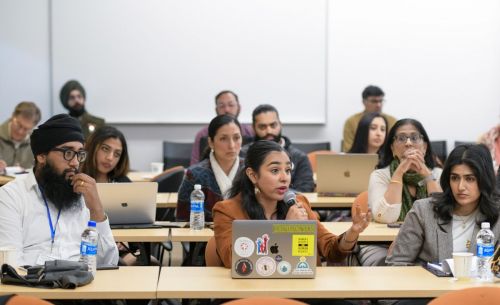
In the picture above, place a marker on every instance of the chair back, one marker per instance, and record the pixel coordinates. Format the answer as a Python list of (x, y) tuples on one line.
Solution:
[(212, 259), (26, 300), (440, 150), (170, 180), (308, 147), (264, 301), (463, 142), (312, 157), (362, 201), (475, 295), (175, 153)]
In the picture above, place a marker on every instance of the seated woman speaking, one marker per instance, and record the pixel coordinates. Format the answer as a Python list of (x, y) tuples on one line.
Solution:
[(215, 173), (449, 221), (258, 193)]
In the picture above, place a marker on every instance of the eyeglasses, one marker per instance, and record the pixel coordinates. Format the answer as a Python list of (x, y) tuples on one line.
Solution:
[(69, 154), (18, 125), (415, 138)]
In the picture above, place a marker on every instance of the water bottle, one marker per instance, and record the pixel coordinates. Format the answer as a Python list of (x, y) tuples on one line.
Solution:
[(197, 217), (88, 247), (485, 249)]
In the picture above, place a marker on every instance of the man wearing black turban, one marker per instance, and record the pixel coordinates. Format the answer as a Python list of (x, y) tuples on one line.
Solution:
[(73, 98), (43, 213)]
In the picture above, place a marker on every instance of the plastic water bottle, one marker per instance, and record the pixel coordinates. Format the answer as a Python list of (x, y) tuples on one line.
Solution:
[(88, 247), (197, 217), (485, 249)]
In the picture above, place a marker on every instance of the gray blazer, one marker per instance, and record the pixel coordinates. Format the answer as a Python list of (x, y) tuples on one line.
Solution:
[(424, 237)]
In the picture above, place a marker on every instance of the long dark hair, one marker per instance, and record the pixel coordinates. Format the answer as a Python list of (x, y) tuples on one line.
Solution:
[(94, 144), (360, 145), (257, 153), (387, 154), (215, 124), (478, 158)]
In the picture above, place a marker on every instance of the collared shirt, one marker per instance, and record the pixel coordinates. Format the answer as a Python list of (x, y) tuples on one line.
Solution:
[(24, 224)]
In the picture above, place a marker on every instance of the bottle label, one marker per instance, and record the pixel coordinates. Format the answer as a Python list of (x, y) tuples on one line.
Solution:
[(485, 250), (197, 206), (88, 248)]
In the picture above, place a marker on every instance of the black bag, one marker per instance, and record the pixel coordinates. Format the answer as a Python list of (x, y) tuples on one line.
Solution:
[(55, 274)]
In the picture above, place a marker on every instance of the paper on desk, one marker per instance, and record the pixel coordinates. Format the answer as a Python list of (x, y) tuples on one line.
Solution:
[(13, 170), (447, 266)]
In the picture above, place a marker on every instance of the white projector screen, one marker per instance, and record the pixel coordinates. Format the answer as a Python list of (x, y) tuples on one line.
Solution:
[(163, 61)]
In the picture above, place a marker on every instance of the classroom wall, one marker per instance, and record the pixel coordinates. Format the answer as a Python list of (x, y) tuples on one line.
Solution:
[(437, 61)]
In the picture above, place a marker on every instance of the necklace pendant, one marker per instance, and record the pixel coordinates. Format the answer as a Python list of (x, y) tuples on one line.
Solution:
[(467, 244)]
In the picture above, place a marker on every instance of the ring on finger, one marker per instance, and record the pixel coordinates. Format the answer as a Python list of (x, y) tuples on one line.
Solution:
[(82, 183)]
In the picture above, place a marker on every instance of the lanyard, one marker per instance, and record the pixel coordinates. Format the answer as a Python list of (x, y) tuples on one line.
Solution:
[(52, 228)]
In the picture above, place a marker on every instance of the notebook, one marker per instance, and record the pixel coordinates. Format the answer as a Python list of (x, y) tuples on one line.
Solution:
[(274, 249), (129, 205), (344, 174)]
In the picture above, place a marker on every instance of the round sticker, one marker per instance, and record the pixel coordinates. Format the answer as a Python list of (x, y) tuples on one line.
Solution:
[(265, 266), (244, 246), (278, 258), (244, 267), (284, 268)]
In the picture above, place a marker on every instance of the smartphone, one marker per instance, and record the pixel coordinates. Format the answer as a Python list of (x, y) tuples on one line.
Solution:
[(107, 267), (394, 225)]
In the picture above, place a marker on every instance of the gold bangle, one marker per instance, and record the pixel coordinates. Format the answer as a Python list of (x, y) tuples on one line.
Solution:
[(397, 181)]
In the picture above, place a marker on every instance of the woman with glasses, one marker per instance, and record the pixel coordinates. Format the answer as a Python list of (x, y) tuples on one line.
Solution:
[(405, 173)]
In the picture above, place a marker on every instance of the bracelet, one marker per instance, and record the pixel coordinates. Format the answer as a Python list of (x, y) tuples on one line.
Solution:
[(397, 181), (349, 241)]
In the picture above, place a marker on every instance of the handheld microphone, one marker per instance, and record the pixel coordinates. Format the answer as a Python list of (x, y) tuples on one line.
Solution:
[(290, 198)]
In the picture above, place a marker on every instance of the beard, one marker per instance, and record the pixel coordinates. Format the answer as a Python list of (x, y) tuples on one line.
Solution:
[(58, 189), (275, 138), (76, 111)]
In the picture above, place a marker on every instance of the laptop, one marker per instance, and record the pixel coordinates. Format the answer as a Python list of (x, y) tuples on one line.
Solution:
[(344, 175), (129, 205), (274, 249)]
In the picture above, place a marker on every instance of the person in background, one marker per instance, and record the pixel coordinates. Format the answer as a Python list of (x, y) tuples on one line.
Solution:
[(226, 102), (43, 213), (267, 126), (15, 134), (258, 193), (107, 159), (373, 100), (73, 98), (371, 134), (215, 173), (406, 172), (492, 140), (448, 222)]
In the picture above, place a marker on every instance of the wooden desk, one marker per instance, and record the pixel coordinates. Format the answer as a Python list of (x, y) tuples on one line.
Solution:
[(316, 202), (330, 282), (5, 179), (163, 200), (185, 234), (155, 235), (124, 283), (375, 232)]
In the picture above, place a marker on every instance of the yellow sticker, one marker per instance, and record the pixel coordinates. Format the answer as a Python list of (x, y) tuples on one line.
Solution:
[(303, 245)]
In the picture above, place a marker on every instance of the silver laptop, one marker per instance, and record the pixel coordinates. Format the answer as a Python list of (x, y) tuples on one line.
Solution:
[(132, 204), (274, 249), (344, 174)]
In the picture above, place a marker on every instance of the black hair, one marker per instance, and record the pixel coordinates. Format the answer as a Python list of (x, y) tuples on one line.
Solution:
[(257, 153), (372, 91), (215, 124), (360, 144), (225, 92), (264, 108), (478, 158), (387, 154)]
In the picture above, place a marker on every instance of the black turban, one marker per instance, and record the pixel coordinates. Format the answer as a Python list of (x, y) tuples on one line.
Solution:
[(59, 129), (66, 90)]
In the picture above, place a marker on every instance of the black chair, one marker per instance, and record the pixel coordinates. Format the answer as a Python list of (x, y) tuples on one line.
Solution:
[(204, 144), (175, 153), (309, 147), (440, 150), (463, 142)]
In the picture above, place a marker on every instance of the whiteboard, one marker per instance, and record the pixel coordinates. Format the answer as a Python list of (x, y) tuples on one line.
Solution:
[(163, 61)]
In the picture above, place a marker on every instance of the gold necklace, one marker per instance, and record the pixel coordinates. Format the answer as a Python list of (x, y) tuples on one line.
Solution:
[(464, 219)]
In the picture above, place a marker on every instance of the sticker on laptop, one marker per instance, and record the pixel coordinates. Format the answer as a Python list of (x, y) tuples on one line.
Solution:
[(262, 244), (244, 267), (274, 249), (303, 245), (265, 266), (302, 268), (244, 246), (284, 268)]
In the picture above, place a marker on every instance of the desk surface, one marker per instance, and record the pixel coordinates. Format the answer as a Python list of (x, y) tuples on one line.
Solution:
[(155, 235), (330, 282), (124, 283)]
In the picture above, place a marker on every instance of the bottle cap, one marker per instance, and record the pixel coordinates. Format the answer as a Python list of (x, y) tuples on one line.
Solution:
[(197, 187), (485, 225), (91, 223)]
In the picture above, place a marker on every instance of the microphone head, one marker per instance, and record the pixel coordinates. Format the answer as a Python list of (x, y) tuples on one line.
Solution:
[(290, 198)]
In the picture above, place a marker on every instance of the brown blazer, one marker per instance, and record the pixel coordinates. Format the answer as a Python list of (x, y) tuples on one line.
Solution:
[(226, 211)]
